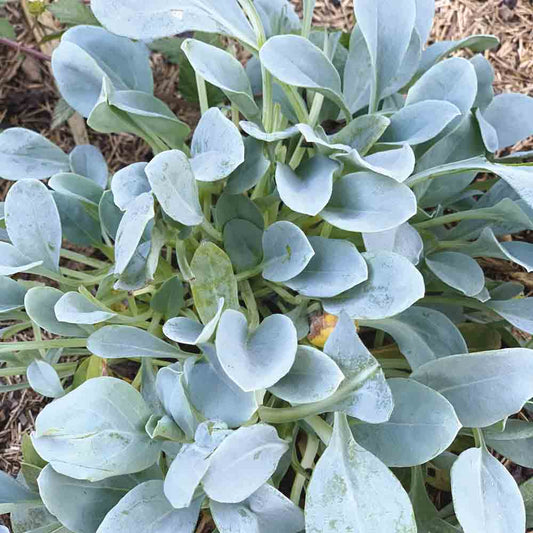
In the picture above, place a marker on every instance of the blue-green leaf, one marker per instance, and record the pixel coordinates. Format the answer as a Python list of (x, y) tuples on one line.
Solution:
[(252, 360)]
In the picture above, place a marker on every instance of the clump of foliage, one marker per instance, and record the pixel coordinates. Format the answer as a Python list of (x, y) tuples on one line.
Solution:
[(345, 199)]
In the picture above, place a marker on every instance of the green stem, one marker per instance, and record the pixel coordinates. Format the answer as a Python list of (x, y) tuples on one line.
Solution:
[(202, 94), (247, 274), (479, 439), (297, 102), (211, 230), (454, 300), (235, 115), (309, 7), (251, 305), (311, 449), (321, 428), (251, 12), (486, 213), (291, 414), (183, 263), (268, 101), (9, 347), (84, 260)]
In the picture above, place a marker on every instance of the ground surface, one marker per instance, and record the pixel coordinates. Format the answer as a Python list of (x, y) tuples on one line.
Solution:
[(28, 98)]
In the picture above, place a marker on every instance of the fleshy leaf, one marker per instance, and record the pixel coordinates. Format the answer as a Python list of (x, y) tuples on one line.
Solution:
[(217, 147), (86, 54), (172, 180), (96, 431), (420, 122), (129, 183), (387, 29), (457, 270), (296, 61), (213, 279), (403, 240), (40, 303), (351, 489), (422, 425), (33, 222), (393, 285), (25, 154), (114, 342), (483, 387), (188, 331), (250, 359), (267, 510), (287, 251), (44, 379), (222, 70), (244, 461), (313, 377), (82, 505), (336, 267), (308, 189), (215, 396), (372, 400), (138, 20), (75, 308), (368, 202), (11, 295), (131, 229), (511, 115), (88, 161), (422, 334), (485, 495), (147, 509)]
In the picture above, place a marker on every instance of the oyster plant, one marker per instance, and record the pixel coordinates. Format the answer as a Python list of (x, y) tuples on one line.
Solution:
[(331, 188)]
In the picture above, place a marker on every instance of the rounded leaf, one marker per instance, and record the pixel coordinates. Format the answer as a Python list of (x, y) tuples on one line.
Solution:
[(308, 189), (244, 461), (313, 377), (259, 359), (33, 223), (96, 431), (87, 54), (336, 267), (393, 285), (172, 181), (483, 387), (485, 495), (368, 202), (217, 147), (286, 251), (24, 154), (423, 424), (40, 303)]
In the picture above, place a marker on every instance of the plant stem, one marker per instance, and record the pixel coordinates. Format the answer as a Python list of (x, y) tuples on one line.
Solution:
[(486, 213), (84, 260), (454, 300), (311, 449), (247, 274), (291, 414), (321, 428), (9, 347), (309, 7), (183, 263), (202, 93), (479, 439), (251, 305), (22, 48), (235, 115), (211, 230)]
